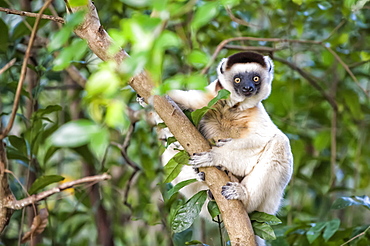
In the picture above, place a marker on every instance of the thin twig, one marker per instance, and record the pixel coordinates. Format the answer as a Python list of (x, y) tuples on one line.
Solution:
[(356, 64), (8, 65), (19, 182), (45, 194), (334, 30), (276, 40), (30, 14), (123, 147), (254, 48), (237, 20), (359, 235), (312, 80), (345, 66), (127, 189), (23, 72)]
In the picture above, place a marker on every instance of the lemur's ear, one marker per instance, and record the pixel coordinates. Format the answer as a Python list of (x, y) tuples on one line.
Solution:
[(269, 64), (220, 66)]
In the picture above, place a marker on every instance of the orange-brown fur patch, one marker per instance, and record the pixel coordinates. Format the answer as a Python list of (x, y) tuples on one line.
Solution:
[(226, 122)]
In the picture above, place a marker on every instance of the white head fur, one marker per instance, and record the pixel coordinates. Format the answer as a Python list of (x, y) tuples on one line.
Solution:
[(247, 64)]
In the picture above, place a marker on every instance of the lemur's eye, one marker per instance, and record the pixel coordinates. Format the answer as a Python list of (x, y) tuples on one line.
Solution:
[(256, 79), (237, 80)]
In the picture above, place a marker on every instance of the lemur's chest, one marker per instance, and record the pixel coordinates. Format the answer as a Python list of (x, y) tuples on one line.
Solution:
[(223, 122)]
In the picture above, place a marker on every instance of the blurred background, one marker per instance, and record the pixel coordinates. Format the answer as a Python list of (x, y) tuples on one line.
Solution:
[(78, 117)]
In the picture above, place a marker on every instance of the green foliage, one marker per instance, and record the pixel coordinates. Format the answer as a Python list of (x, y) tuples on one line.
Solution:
[(69, 131), (174, 166), (187, 213), (343, 202), (178, 187), (261, 223), (213, 209)]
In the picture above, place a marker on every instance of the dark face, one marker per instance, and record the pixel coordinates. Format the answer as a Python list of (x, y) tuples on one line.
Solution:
[(247, 84)]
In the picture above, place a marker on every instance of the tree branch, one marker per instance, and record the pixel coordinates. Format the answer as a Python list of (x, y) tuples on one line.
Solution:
[(345, 66), (16, 205), (7, 66), (5, 193), (23, 72), (237, 20), (253, 48), (30, 14), (234, 215)]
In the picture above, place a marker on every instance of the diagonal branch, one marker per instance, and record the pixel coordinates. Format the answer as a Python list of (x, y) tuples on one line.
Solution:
[(23, 72), (345, 66), (233, 213), (30, 14), (7, 66), (16, 205)]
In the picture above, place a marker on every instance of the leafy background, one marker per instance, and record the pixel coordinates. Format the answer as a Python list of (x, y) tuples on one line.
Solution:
[(74, 128)]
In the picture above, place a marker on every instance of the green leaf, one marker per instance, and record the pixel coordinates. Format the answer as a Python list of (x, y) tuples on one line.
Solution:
[(57, 40), (104, 82), (19, 144), (194, 242), (170, 140), (222, 94), (115, 115), (343, 202), (204, 15), (174, 166), (352, 101), (4, 37), (264, 217), (14, 154), (99, 143), (198, 59), (184, 236), (44, 181), (230, 3), (49, 153), (49, 109), (331, 227), (315, 231), (138, 3), (213, 209), (178, 186), (263, 230), (298, 2), (74, 133), (77, 3), (187, 213), (322, 140), (198, 114), (196, 82)]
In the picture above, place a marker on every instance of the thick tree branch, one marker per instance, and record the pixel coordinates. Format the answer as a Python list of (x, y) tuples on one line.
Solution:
[(29, 14), (16, 205), (234, 215)]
